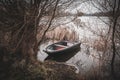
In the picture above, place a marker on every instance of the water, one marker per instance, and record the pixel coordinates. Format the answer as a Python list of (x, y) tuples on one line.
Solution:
[(83, 59), (89, 29)]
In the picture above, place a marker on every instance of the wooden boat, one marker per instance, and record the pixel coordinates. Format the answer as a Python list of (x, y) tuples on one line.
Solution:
[(62, 47)]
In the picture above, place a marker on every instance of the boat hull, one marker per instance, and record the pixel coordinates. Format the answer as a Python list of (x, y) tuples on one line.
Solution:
[(64, 51)]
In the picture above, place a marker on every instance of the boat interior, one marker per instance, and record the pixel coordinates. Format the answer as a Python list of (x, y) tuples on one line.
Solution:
[(59, 46)]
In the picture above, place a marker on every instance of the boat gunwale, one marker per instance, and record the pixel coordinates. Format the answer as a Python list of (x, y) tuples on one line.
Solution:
[(56, 51)]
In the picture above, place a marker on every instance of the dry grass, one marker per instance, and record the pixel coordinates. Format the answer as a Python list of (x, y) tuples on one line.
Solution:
[(62, 33), (101, 44)]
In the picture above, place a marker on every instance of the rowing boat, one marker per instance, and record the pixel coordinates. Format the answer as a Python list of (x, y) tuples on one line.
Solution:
[(61, 47)]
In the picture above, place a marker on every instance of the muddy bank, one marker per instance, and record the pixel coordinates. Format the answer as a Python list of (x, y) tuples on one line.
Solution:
[(48, 70)]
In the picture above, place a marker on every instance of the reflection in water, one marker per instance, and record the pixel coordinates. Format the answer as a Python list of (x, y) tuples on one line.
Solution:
[(63, 57)]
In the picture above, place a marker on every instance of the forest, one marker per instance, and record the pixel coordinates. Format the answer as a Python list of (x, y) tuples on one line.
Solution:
[(28, 26)]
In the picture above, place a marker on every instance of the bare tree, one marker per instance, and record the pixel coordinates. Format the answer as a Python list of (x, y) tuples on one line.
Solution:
[(113, 7), (20, 19), (115, 19)]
